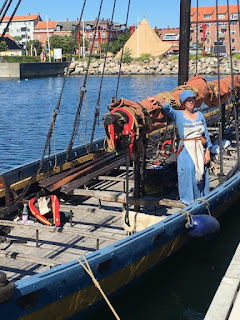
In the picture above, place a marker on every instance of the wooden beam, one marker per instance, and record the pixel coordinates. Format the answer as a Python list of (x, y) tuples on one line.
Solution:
[(69, 230), (121, 198), (20, 256)]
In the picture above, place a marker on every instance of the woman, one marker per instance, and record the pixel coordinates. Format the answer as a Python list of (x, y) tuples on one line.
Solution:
[(193, 149)]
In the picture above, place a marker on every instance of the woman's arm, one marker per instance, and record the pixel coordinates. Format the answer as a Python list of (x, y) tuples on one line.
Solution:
[(165, 108), (207, 156)]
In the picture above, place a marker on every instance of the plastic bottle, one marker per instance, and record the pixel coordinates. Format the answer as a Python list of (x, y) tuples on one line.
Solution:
[(25, 212)]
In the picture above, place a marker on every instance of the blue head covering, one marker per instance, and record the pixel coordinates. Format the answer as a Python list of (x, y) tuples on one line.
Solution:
[(186, 94)]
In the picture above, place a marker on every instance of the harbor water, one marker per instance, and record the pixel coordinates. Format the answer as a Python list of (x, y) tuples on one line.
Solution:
[(182, 287)]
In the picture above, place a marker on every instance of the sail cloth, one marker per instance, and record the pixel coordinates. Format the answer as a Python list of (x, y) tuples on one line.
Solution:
[(205, 92), (145, 40)]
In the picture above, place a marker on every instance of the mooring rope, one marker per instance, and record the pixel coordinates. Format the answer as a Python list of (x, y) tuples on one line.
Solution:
[(89, 271)]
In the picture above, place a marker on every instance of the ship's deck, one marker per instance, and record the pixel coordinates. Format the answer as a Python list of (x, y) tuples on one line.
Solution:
[(97, 221)]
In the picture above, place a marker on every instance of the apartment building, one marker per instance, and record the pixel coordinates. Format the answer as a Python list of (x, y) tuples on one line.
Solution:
[(21, 26), (207, 31), (170, 35), (43, 30)]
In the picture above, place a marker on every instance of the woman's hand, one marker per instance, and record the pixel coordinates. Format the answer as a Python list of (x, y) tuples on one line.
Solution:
[(154, 101), (207, 156)]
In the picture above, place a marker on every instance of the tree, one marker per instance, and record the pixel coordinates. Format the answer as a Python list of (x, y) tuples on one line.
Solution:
[(66, 43), (127, 58), (116, 45), (3, 46), (31, 44), (17, 39)]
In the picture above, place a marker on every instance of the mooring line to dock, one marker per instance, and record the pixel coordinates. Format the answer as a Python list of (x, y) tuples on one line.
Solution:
[(88, 269)]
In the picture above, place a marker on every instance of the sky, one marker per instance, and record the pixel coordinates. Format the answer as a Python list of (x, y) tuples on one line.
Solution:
[(160, 13)]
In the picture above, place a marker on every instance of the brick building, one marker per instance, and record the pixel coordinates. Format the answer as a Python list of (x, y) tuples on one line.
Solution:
[(207, 31), (44, 29), (102, 35), (171, 35)]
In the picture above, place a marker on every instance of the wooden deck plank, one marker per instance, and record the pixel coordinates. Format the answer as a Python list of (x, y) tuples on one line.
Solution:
[(121, 198)]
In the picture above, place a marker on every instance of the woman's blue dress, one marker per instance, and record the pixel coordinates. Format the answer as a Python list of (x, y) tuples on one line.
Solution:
[(188, 187)]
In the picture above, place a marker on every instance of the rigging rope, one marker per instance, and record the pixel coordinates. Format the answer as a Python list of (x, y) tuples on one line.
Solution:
[(233, 97), (2, 8), (10, 20), (83, 90), (197, 41), (120, 65), (220, 129), (97, 108)]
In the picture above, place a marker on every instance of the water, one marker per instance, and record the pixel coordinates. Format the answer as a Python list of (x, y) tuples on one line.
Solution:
[(181, 288), (26, 110)]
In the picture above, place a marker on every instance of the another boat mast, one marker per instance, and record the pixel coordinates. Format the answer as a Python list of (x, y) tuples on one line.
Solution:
[(183, 65)]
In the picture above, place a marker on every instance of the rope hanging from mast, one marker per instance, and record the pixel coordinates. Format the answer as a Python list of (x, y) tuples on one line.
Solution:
[(120, 65), (220, 129), (10, 20), (97, 108), (2, 8), (233, 96), (83, 90), (197, 42)]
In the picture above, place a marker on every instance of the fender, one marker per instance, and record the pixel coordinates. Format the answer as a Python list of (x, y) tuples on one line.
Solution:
[(55, 211)]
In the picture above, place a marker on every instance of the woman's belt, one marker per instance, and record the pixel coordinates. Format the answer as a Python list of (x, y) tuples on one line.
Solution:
[(203, 140)]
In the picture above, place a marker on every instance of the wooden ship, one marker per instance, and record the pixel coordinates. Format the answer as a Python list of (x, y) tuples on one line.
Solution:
[(94, 223)]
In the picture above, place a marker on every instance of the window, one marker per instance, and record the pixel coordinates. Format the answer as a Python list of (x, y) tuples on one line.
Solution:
[(234, 16), (28, 30), (90, 35), (233, 23), (208, 41), (208, 32), (207, 16), (38, 37), (233, 31), (103, 36), (221, 16), (23, 36), (233, 48), (58, 28), (233, 40), (23, 29)]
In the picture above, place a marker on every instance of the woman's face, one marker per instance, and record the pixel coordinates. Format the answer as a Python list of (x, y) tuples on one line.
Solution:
[(189, 104)]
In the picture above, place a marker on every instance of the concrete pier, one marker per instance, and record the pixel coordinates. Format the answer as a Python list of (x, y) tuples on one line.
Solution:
[(226, 302), (31, 70)]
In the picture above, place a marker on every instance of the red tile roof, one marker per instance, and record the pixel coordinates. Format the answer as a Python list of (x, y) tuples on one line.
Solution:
[(23, 17), (45, 25), (212, 11)]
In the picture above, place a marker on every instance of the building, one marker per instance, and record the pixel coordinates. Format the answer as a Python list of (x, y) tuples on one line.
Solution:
[(44, 29), (87, 28), (170, 35), (14, 49), (207, 31), (21, 27)]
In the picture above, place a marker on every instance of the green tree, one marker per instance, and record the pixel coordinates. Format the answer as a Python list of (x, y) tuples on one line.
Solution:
[(3, 46), (127, 58), (66, 43), (116, 45), (17, 39), (34, 44)]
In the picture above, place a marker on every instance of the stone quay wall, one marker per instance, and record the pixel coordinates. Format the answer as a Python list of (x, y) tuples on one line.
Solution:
[(206, 66)]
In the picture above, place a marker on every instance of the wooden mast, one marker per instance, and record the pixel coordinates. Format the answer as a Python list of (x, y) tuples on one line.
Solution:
[(183, 64)]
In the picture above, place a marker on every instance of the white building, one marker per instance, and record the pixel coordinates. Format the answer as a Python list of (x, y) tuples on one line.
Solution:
[(21, 27)]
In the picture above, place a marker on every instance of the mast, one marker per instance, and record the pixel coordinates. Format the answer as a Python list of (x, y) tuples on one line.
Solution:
[(183, 65)]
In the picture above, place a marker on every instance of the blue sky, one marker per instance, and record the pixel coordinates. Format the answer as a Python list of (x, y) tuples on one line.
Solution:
[(160, 13)]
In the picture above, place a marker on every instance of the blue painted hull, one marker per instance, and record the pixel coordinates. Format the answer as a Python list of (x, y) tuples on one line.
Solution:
[(66, 291)]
